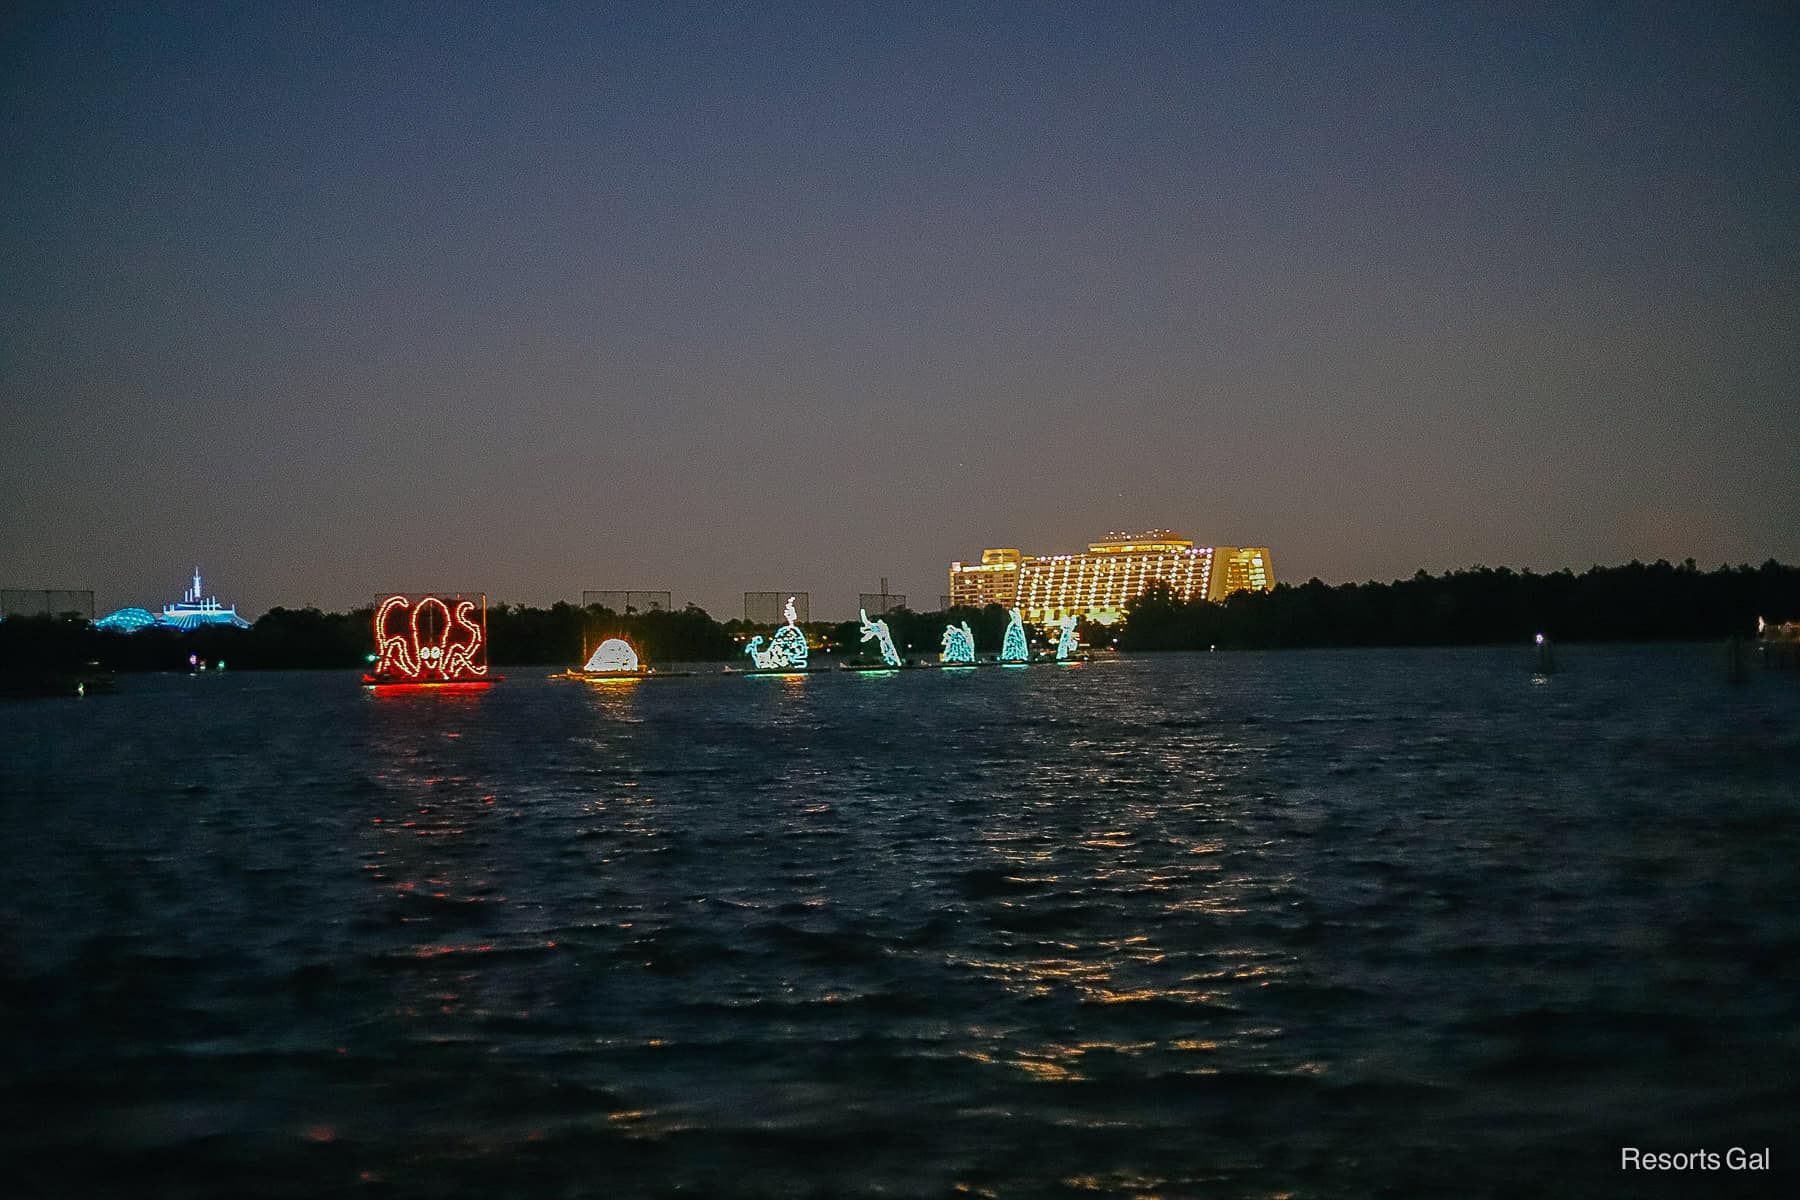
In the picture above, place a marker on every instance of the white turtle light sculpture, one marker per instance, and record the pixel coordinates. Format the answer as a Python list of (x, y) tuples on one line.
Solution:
[(614, 654)]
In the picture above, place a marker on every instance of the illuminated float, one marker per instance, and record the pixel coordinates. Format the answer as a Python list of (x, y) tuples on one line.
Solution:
[(1015, 649), (428, 641), (877, 631), (786, 651), (1068, 641), (959, 646), (615, 658)]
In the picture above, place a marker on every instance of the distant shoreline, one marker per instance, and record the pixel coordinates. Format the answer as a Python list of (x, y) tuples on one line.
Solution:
[(1635, 603)]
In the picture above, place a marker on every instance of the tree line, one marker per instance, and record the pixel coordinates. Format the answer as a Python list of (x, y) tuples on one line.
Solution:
[(1635, 602)]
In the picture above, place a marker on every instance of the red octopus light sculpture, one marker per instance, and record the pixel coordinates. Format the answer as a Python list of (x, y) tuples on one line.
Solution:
[(411, 655)]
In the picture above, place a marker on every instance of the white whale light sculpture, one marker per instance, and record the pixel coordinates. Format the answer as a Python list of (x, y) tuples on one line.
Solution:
[(787, 649), (614, 654)]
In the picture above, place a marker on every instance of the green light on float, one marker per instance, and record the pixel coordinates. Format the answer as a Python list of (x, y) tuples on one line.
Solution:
[(877, 631), (1015, 649), (959, 645), (787, 649)]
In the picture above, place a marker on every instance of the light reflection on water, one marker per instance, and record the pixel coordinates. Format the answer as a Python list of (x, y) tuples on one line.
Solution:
[(1313, 924)]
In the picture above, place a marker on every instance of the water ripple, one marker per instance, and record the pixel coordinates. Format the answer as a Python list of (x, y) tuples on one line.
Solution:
[(1223, 925)]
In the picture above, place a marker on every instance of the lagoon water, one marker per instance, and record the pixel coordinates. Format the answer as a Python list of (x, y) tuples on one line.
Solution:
[(1297, 924)]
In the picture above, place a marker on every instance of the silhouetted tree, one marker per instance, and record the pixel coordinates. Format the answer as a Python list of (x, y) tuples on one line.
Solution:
[(1634, 602)]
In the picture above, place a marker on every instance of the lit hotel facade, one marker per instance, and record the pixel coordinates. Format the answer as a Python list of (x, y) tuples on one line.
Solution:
[(1115, 569)]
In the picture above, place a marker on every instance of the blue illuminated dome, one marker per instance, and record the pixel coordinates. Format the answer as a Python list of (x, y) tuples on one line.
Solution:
[(192, 611), (126, 620)]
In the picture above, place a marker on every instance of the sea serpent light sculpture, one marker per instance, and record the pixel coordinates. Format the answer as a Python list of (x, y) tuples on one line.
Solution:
[(959, 645), (1015, 649), (877, 632), (1067, 640)]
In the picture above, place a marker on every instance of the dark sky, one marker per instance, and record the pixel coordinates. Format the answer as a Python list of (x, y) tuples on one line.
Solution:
[(339, 298)]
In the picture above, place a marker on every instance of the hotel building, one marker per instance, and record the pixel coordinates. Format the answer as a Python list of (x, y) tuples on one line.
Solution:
[(993, 580), (1115, 569)]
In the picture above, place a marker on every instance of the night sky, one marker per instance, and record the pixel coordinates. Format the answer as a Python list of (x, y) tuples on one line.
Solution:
[(338, 299)]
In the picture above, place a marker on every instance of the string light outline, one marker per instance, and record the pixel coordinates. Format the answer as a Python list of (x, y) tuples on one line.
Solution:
[(1015, 649), (959, 645), (877, 631), (407, 657), (614, 654), (787, 649), (1067, 640)]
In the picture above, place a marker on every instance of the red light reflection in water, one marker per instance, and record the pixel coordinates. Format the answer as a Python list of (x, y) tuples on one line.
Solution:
[(389, 690), (436, 858)]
